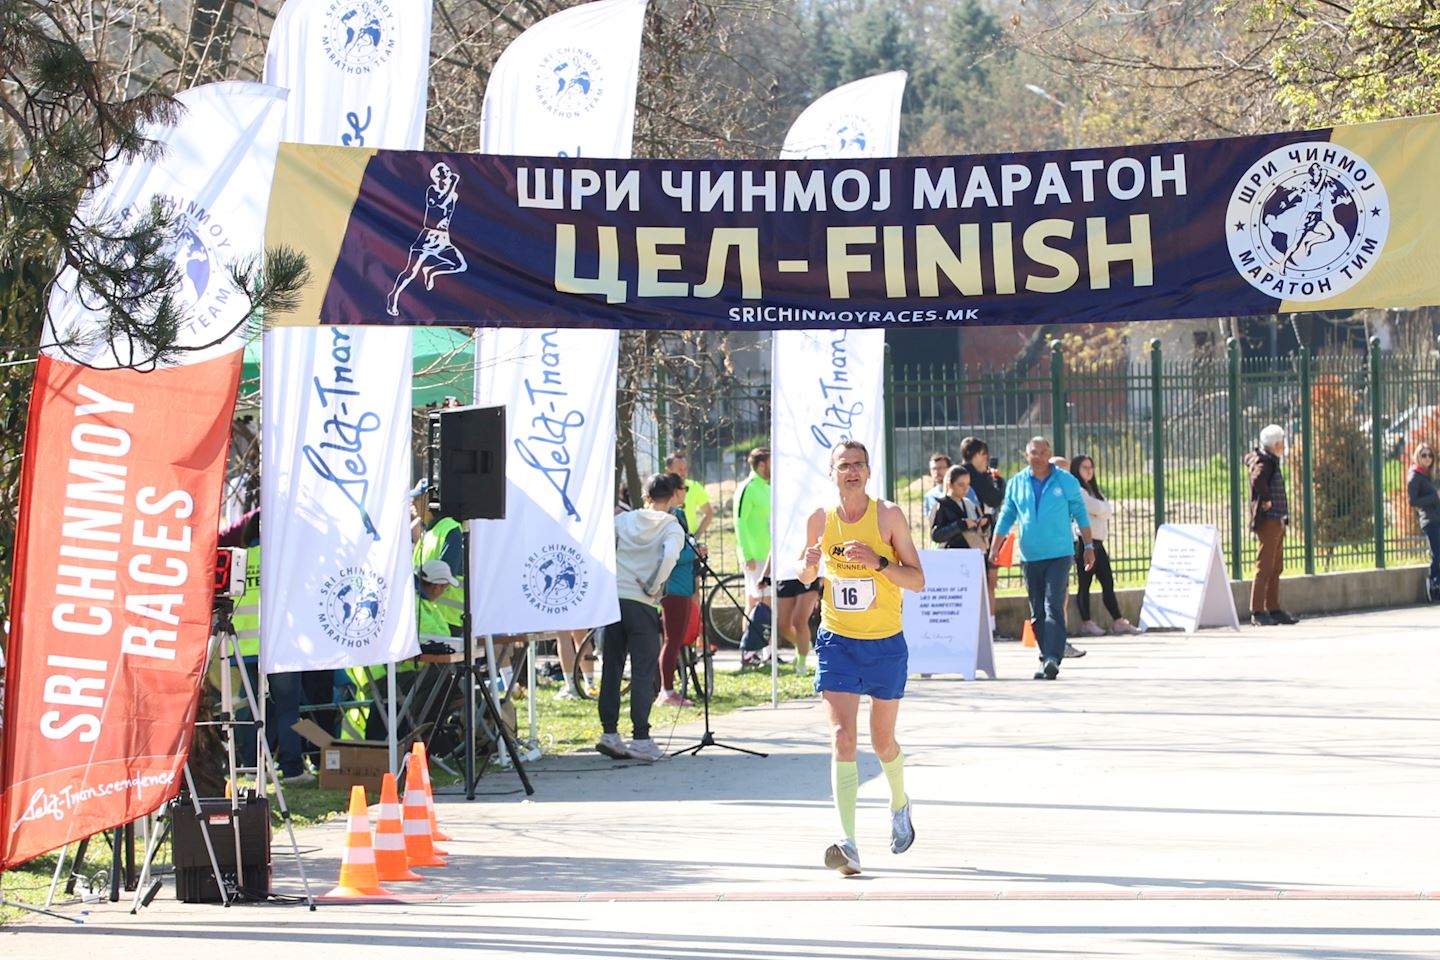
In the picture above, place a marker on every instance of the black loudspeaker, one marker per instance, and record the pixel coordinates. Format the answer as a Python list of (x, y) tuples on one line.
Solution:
[(194, 876), (466, 455)]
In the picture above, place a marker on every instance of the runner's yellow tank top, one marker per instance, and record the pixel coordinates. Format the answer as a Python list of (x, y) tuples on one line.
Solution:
[(860, 603)]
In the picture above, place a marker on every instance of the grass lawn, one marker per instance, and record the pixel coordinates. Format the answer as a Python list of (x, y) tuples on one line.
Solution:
[(570, 726)]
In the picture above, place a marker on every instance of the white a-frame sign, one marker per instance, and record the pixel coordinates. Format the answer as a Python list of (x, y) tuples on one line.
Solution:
[(947, 625), (1187, 587)]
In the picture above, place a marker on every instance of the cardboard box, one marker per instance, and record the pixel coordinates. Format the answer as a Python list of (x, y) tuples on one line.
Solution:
[(344, 763)]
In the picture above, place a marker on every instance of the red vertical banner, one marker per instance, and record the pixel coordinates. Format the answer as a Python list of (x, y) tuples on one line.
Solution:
[(112, 594), (120, 494)]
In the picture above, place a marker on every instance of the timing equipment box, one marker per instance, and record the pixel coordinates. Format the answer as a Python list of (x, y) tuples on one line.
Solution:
[(194, 875), (345, 763)]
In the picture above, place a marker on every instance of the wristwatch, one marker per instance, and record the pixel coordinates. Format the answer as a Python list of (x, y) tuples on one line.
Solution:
[(884, 562)]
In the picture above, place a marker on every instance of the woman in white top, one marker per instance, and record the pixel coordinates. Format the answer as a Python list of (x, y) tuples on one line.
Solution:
[(1099, 509)]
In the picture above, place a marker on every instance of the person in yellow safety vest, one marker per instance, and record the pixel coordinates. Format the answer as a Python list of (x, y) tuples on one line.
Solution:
[(246, 622), (433, 580), (440, 539), (246, 618)]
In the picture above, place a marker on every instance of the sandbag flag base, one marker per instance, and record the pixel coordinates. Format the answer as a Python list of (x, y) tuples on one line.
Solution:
[(358, 874)]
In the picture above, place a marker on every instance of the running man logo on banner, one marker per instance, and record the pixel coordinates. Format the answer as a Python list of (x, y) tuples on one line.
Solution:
[(336, 584), (563, 88), (115, 552), (433, 254), (828, 387)]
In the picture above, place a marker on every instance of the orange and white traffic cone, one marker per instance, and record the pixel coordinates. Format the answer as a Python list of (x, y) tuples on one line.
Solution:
[(418, 751), (391, 861), (1027, 636), (357, 868), (419, 846)]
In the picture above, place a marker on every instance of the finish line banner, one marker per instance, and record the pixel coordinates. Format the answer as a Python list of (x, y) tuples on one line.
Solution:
[(1309, 220)]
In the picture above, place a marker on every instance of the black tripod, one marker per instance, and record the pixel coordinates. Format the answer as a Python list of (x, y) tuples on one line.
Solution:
[(477, 684), (707, 739)]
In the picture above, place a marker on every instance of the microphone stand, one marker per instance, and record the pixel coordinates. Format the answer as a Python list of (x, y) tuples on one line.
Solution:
[(707, 739)]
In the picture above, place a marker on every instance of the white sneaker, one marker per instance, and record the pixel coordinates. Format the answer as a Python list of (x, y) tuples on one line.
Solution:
[(1091, 629), (646, 749), (844, 857), (902, 829), (568, 693), (613, 746), (1124, 628)]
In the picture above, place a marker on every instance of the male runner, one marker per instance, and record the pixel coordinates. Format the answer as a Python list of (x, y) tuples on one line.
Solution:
[(869, 557)]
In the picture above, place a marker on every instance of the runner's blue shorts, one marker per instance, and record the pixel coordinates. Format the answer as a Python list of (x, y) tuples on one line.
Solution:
[(874, 668)]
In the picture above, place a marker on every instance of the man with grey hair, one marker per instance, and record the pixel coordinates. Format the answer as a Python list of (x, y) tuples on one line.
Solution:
[(1045, 500), (1269, 516)]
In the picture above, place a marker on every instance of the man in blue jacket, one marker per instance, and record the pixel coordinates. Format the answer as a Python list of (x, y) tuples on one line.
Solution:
[(1045, 500)]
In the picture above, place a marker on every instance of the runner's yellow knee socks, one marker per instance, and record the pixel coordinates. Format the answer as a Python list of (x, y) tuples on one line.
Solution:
[(846, 779), (895, 773)]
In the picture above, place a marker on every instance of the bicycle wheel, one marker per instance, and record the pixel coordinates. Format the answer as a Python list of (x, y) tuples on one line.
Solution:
[(701, 665), (724, 611)]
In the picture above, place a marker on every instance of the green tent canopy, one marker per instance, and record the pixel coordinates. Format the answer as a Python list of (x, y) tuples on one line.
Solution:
[(444, 367)]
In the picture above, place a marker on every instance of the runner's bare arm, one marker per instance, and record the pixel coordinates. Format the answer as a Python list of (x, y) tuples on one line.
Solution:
[(907, 572), (809, 562)]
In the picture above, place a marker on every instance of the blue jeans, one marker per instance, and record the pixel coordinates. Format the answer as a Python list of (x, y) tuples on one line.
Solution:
[(285, 700), (1047, 581)]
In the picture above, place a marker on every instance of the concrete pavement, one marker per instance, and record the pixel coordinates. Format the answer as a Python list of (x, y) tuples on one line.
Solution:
[(1268, 793)]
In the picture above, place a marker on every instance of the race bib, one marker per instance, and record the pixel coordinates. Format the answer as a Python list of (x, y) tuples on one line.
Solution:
[(852, 595)]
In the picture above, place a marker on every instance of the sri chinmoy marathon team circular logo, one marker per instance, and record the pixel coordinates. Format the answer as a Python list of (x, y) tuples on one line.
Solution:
[(555, 578), (569, 82), (359, 34), (205, 285), (352, 606), (1307, 221), (851, 138)]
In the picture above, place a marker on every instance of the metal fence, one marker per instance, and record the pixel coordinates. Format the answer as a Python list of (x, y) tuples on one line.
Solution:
[(1169, 438)]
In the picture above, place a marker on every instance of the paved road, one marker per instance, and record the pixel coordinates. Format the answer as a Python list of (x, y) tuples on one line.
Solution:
[(1273, 793)]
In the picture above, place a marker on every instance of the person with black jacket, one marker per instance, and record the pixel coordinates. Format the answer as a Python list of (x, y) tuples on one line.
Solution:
[(958, 521), (987, 488), (1420, 486), (1269, 516)]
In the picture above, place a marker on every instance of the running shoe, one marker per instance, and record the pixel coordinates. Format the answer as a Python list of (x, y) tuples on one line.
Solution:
[(844, 857), (647, 750), (613, 746), (1074, 653), (569, 693), (1051, 670), (673, 699), (902, 830)]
